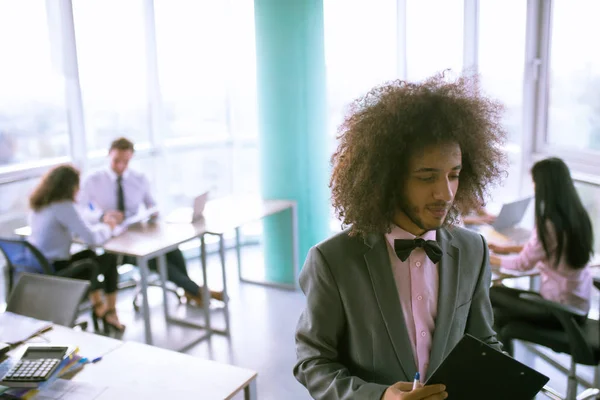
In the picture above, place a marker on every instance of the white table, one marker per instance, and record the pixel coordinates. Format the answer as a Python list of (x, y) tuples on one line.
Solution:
[(146, 241), (135, 370), (229, 213)]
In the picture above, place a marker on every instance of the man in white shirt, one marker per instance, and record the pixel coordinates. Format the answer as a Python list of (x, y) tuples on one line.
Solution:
[(118, 192)]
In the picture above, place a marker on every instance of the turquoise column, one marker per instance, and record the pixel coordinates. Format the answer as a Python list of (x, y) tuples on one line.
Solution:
[(294, 163)]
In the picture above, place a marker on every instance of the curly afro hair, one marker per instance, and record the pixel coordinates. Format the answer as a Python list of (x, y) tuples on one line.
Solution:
[(392, 122)]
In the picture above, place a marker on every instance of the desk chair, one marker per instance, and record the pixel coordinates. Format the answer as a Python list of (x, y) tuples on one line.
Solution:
[(49, 298), (581, 341), (23, 257)]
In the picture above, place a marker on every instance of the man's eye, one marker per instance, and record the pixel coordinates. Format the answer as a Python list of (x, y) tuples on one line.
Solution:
[(454, 176), (427, 178)]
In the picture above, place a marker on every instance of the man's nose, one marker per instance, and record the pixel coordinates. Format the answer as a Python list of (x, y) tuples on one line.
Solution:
[(443, 191)]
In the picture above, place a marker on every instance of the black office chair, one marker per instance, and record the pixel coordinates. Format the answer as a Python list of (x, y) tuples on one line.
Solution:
[(49, 298), (23, 257), (581, 341)]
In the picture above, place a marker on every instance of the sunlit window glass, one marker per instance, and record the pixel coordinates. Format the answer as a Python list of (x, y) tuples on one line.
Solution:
[(33, 116), (360, 51), (434, 37), (574, 104), (111, 49), (193, 45)]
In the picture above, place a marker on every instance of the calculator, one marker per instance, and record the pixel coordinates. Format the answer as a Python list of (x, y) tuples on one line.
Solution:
[(37, 364)]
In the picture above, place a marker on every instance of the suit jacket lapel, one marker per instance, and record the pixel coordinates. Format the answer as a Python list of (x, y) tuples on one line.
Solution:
[(386, 293), (448, 271)]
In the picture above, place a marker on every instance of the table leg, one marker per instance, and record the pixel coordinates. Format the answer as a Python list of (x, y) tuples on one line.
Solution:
[(224, 274), (162, 270), (295, 255), (238, 252), (250, 391), (205, 291), (143, 265)]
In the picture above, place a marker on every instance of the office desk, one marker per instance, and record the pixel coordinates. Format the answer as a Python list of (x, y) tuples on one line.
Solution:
[(145, 241), (89, 344), (229, 213), (134, 370), (162, 371), (498, 275)]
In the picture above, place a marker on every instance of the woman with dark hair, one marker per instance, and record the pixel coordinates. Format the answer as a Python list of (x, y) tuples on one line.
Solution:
[(54, 222), (560, 247)]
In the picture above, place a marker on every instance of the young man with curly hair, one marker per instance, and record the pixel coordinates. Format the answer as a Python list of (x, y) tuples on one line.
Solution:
[(394, 293)]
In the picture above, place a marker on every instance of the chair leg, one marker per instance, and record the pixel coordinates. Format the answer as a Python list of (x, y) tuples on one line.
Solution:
[(551, 393), (589, 394), (572, 382), (136, 297)]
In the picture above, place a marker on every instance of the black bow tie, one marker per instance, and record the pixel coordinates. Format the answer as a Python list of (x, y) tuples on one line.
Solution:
[(404, 247)]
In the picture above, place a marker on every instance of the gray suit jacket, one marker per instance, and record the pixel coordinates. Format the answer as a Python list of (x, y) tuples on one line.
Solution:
[(352, 341)]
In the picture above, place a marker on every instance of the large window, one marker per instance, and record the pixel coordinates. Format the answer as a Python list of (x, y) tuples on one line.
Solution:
[(360, 51), (111, 50), (434, 37), (502, 59), (193, 44), (574, 104), (501, 65), (33, 117), (207, 169)]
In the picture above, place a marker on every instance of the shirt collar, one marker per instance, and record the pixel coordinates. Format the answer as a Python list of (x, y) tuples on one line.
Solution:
[(113, 176), (399, 233)]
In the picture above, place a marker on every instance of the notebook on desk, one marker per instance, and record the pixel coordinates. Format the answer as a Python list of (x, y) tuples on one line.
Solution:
[(474, 370), (16, 328)]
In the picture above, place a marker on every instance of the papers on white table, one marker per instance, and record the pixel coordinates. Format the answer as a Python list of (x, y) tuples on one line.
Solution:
[(139, 217), (15, 328), (69, 390)]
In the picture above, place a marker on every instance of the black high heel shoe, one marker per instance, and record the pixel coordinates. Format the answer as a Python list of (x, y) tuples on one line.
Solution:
[(95, 317), (109, 325)]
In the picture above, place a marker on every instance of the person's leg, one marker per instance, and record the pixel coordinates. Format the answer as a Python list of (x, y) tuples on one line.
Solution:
[(108, 267), (85, 269), (509, 307), (177, 266), (180, 277), (83, 255)]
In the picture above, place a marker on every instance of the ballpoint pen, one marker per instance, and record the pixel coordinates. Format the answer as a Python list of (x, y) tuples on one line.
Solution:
[(416, 382)]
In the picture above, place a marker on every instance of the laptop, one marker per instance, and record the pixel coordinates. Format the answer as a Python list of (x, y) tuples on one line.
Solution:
[(511, 214), (188, 215), (475, 370)]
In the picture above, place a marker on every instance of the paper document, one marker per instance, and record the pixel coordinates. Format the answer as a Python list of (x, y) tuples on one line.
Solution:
[(134, 219), (15, 328), (66, 390), (140, 216)]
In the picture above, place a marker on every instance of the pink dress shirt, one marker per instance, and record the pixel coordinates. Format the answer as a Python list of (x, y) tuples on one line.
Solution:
[(560, 283), (417, 284)]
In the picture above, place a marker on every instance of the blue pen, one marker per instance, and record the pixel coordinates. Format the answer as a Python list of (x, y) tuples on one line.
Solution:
[(95, 360), (416, 382)]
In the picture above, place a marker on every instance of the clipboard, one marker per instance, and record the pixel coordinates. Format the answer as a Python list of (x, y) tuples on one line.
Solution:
[(474, 370)]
